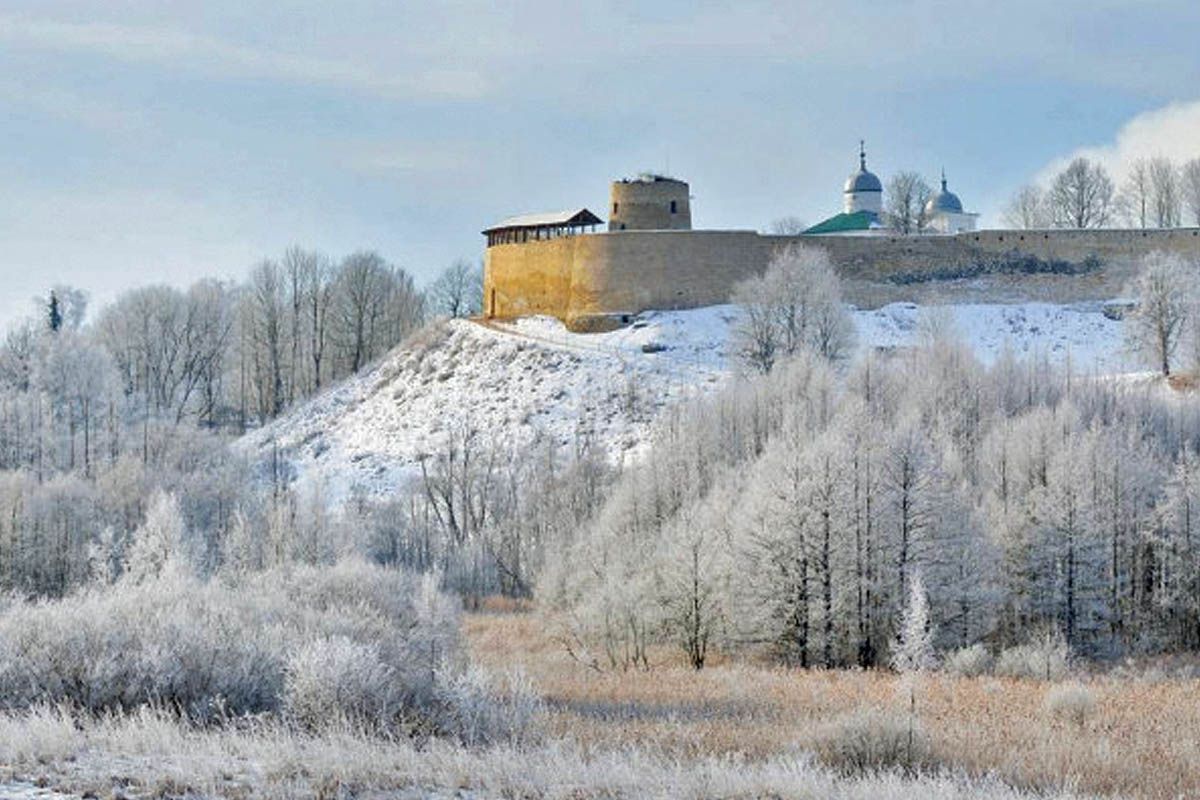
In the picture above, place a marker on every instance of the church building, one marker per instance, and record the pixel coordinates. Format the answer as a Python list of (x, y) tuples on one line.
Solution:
[(862, 204), (944, 212), (863, 215)]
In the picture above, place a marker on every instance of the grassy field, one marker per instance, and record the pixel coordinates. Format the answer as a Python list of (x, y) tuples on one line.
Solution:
[(1136, 738), (733, 730)]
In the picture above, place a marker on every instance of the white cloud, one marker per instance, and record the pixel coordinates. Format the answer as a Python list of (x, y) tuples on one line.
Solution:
[(144, 44), (1172, 131)]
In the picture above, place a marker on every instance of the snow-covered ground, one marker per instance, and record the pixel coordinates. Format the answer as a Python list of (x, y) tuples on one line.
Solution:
[(1093, 342), (27, 791), (533, 378)]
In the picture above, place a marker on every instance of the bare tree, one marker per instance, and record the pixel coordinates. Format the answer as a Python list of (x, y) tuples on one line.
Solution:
[(319, 283), (1157, 324), (375, 306), (1190, 189), (787, 226), (1136, 193), (907, 193), (265, 309), (1165, 193), (361, 303), (1027, 209), (1081, 196), (170, 347), (458, 291)]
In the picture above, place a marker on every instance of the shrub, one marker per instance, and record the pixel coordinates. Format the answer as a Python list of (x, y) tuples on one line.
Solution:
[(871, 741), (475, 711), (350, 643), (1071, 702), (1046, 658), (968, 662), (338, 679)]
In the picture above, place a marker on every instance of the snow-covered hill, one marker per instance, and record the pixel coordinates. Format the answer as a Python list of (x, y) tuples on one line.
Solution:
[(533, 378)]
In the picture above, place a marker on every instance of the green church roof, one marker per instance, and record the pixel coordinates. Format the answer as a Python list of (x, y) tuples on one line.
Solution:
[(858, 221)]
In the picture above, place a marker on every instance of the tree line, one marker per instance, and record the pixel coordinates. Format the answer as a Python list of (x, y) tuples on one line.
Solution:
[(793, 513), (1157, 193), (220, 354)]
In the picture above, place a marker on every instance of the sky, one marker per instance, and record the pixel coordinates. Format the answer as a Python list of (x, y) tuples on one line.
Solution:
[(145, 142)]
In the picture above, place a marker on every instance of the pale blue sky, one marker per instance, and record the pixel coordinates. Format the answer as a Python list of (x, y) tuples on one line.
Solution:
[(144, 141)]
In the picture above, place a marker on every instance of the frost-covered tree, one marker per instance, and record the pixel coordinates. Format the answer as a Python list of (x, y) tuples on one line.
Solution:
[(1190, 190), (913, 649), (78, 382), (1162, 288), (1024, 499), (1179, 539), (691, 579), (796, 304), (158, 541)]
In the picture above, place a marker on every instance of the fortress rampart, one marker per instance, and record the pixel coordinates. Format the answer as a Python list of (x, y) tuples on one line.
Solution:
[(590, 281)]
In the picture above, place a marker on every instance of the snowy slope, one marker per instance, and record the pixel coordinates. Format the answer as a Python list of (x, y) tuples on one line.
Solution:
[(1093, 342), (533, 378)]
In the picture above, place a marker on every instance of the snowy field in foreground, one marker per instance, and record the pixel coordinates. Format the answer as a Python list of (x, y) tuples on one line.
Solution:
[(533, 378)]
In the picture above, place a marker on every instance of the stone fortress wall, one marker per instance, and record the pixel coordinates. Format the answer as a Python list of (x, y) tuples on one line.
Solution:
[(594, 281)]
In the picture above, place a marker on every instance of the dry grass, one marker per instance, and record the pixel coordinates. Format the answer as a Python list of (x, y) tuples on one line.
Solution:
[(153, 755), (1141, 740), (1183, 382)]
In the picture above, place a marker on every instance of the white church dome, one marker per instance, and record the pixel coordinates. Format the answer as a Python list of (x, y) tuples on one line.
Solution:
[(864, 180), (944, 201)]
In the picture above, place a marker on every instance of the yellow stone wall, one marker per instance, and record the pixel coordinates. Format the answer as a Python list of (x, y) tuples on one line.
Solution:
[(590, 280)]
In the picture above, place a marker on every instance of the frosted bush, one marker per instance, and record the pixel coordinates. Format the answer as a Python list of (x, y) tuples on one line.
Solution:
[(968, 662), (476, 711), (1046, 658), (337, 679), (352, 642), (1071, 702), (871, 741)]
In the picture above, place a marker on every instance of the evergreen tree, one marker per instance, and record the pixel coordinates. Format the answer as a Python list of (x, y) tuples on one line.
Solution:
[(56, 319)]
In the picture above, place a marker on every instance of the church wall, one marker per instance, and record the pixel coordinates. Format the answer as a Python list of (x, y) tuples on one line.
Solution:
[(583, 279), (863, 201)]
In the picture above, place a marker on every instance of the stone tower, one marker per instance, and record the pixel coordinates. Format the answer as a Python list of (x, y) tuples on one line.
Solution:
[(649, 202)]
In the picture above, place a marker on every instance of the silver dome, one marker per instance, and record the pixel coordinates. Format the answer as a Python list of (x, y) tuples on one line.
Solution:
[(863, 181), (945, 200)]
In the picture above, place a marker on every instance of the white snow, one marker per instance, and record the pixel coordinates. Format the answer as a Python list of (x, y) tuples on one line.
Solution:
[(533, 378), (27, 791), (1081, 332)]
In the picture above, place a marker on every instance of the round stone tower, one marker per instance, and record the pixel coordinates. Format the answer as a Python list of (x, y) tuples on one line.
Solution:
[(648, 203)]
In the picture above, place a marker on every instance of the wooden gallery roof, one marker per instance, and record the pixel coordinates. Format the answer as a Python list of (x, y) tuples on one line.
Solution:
[(575, 218)]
